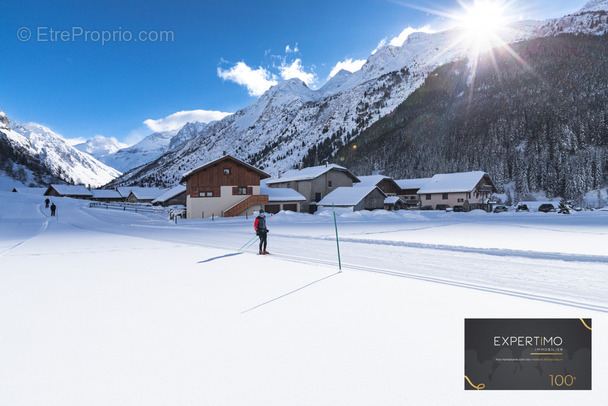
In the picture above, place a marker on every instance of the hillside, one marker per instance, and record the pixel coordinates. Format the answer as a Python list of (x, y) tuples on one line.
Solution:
[(541, 121)]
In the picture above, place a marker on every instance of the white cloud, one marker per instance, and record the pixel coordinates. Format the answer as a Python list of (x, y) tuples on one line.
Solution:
[(295, 70), (257, 81), (289, 49), (347, 64), (179, 119), (400, 39), (380, 45), (75, 141)]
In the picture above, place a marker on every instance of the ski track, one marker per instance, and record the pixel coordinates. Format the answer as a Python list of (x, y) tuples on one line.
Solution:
[(501, 252), (40, 231), (548, 299), (130, 231)]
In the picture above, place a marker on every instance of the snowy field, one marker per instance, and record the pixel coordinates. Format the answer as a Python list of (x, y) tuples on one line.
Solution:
[(103, 307)]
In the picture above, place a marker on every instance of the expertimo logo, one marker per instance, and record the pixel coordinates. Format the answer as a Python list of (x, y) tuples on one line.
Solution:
[(49, 34), (525, 341)]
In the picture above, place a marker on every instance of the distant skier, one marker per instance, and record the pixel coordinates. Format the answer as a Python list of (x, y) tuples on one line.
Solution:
[(53, 208), (46, 203), (260, 229)]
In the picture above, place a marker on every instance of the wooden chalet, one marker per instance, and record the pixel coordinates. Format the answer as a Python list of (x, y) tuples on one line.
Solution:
[(226, 187)]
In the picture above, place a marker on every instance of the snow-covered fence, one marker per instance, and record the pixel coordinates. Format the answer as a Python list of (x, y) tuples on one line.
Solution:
[(137, 208)]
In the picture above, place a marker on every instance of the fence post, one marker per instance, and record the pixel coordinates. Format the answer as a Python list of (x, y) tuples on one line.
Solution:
[(337, 243), (212, 216)]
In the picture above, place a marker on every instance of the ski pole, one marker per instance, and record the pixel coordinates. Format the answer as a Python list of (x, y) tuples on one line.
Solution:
[(251, 243), (248, 242)]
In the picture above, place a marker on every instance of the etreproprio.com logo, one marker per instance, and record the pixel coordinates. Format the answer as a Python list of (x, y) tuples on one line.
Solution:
[(79, 34)]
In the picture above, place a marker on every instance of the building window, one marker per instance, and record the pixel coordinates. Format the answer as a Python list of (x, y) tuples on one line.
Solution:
[(205, 194), (241, 190), (444, 196), (226, 171), (461, 200), (318, 197), (329, 183), (428, 197)]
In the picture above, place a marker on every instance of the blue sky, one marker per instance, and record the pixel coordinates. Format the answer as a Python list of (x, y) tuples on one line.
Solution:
[(81, 84)]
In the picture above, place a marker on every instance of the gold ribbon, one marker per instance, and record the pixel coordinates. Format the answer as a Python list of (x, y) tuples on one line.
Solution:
[(583, 321), (478, 387)]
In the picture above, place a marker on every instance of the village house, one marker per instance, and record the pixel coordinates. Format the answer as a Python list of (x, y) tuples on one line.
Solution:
[(281, 199), (75, 192), (355, 198), (388, 186), (172, 197), (106, 195), (409, 190), (472, 190), (225, 187), (314, 183), (144, 194)]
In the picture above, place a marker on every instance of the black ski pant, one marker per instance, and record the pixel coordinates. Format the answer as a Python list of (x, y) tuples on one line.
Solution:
[(262, 236)]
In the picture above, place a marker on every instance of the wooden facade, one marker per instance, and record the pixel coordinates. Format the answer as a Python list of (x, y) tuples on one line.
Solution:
[(226, 171), (389, 187)]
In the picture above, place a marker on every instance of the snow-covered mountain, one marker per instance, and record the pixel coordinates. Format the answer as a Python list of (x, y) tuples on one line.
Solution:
[(100, 146), (151, 147), (55, 157)]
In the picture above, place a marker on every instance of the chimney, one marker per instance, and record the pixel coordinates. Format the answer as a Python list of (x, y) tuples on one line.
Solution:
[(224, 153), (326, 164), (279, 175), (300, 165)]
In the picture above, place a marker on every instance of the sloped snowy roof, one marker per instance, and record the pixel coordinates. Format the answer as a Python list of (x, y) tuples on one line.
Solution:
[(262, 173), (170, 194), (124, 190), (281, 194), (392, 200), (347, 196), (105, 194), (452, 182), (411, 183), (370, 180), (309, 173), (147, 193), (71, 190)]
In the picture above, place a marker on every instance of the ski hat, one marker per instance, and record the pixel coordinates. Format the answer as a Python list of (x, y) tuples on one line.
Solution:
[(262, 212)]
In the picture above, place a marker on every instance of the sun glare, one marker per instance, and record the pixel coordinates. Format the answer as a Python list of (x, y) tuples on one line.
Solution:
[(482, 20)]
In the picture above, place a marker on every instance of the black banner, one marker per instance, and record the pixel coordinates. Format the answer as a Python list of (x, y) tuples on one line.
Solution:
[(540, 354)]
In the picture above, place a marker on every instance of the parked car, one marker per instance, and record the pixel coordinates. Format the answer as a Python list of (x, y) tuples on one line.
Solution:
[(459, 208), (426, 208), (522, 207), (546, 208), (500, 209), (442, 206)]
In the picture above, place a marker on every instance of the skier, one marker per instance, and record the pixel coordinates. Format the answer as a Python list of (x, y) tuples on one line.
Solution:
[(46, 203), (260, 229), (53, 208)]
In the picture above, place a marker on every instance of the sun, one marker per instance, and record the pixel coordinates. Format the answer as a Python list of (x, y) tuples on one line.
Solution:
[(482, 20)]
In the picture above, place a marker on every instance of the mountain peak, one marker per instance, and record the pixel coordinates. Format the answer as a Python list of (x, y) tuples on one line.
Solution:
[(4, 123)]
